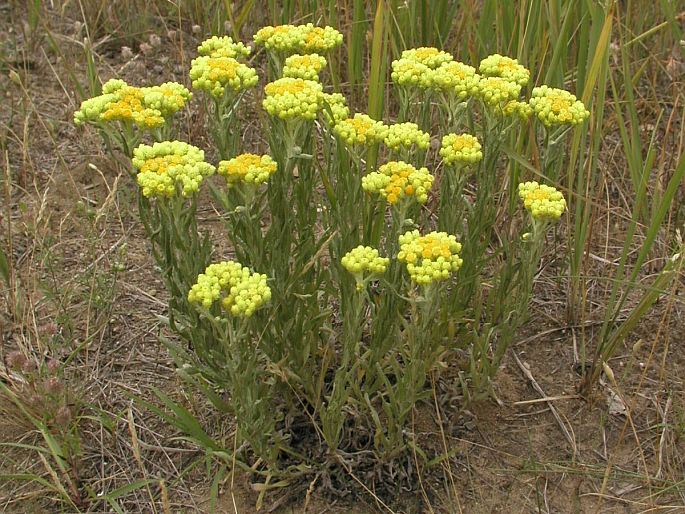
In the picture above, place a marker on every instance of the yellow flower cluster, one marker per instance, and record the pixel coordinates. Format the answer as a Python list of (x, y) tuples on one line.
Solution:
[(289, 98), (248, 168), (557, 107), (545, 203), (428, 56), (429, 258), (505, 67), (520, 109), (457, 78), (361, 130), (363, 259), (338, 106), (495, 91), (306, 66), (164, 165), (408, 72), (298, 38), (405, 135), (215, 75), (397, 180), (223, 47), (243, 292), (147, 107), (460, 148)]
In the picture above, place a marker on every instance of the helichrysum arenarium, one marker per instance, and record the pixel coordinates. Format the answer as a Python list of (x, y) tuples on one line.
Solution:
[(240, 291), (223, 47), (428, 56), (146, 107), (397, 180), (338, 106), (217, 74), (406, 135), (364, 260), (361, 130), (164, 165), (408, 72), (429, 258), (557, 107), (545, 203), (289, 98), (298, 38), (496, 91), (248, 168), (460, 148), (521, 110), (306, 66), (457, 78), (509, 69)]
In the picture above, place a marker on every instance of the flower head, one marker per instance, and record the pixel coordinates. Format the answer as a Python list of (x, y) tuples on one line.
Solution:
[(240, 291), (364, 260), (248, 168), (146, 107), (495, 91), (557, 107), (298, 38), (216, 75), (164, 165), (289, 98), (463, 148), (428, 56), (306, 66), (406, 135), (457, 78), (429, 258), (338, 108), (522, 110), (409, 72), (223, 47), (505, 67), (361, 130), (397, 180), (544, 203)]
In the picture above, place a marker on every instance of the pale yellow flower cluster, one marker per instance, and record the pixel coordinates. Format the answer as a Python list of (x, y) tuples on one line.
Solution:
[(298, 38), (290, 98), (248, 168), (361, 130), (218, 75), (545, 203), (307, 66), (497, 65), (556, 107), (223, 47), (406, 135), (430, 258), (463, 148), (240, 291), (165, 166), (397, 180)]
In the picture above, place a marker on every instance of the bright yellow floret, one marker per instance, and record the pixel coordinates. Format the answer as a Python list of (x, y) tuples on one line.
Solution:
[(163, 166), (544, 203), (406, 135), (306, 66), (463, 148), (248, 168), (361, 130), (223, 47), (240, 291), (509, 69), (429, 258), (216, 75), (557, 107), (289, 98), (397, 180)]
